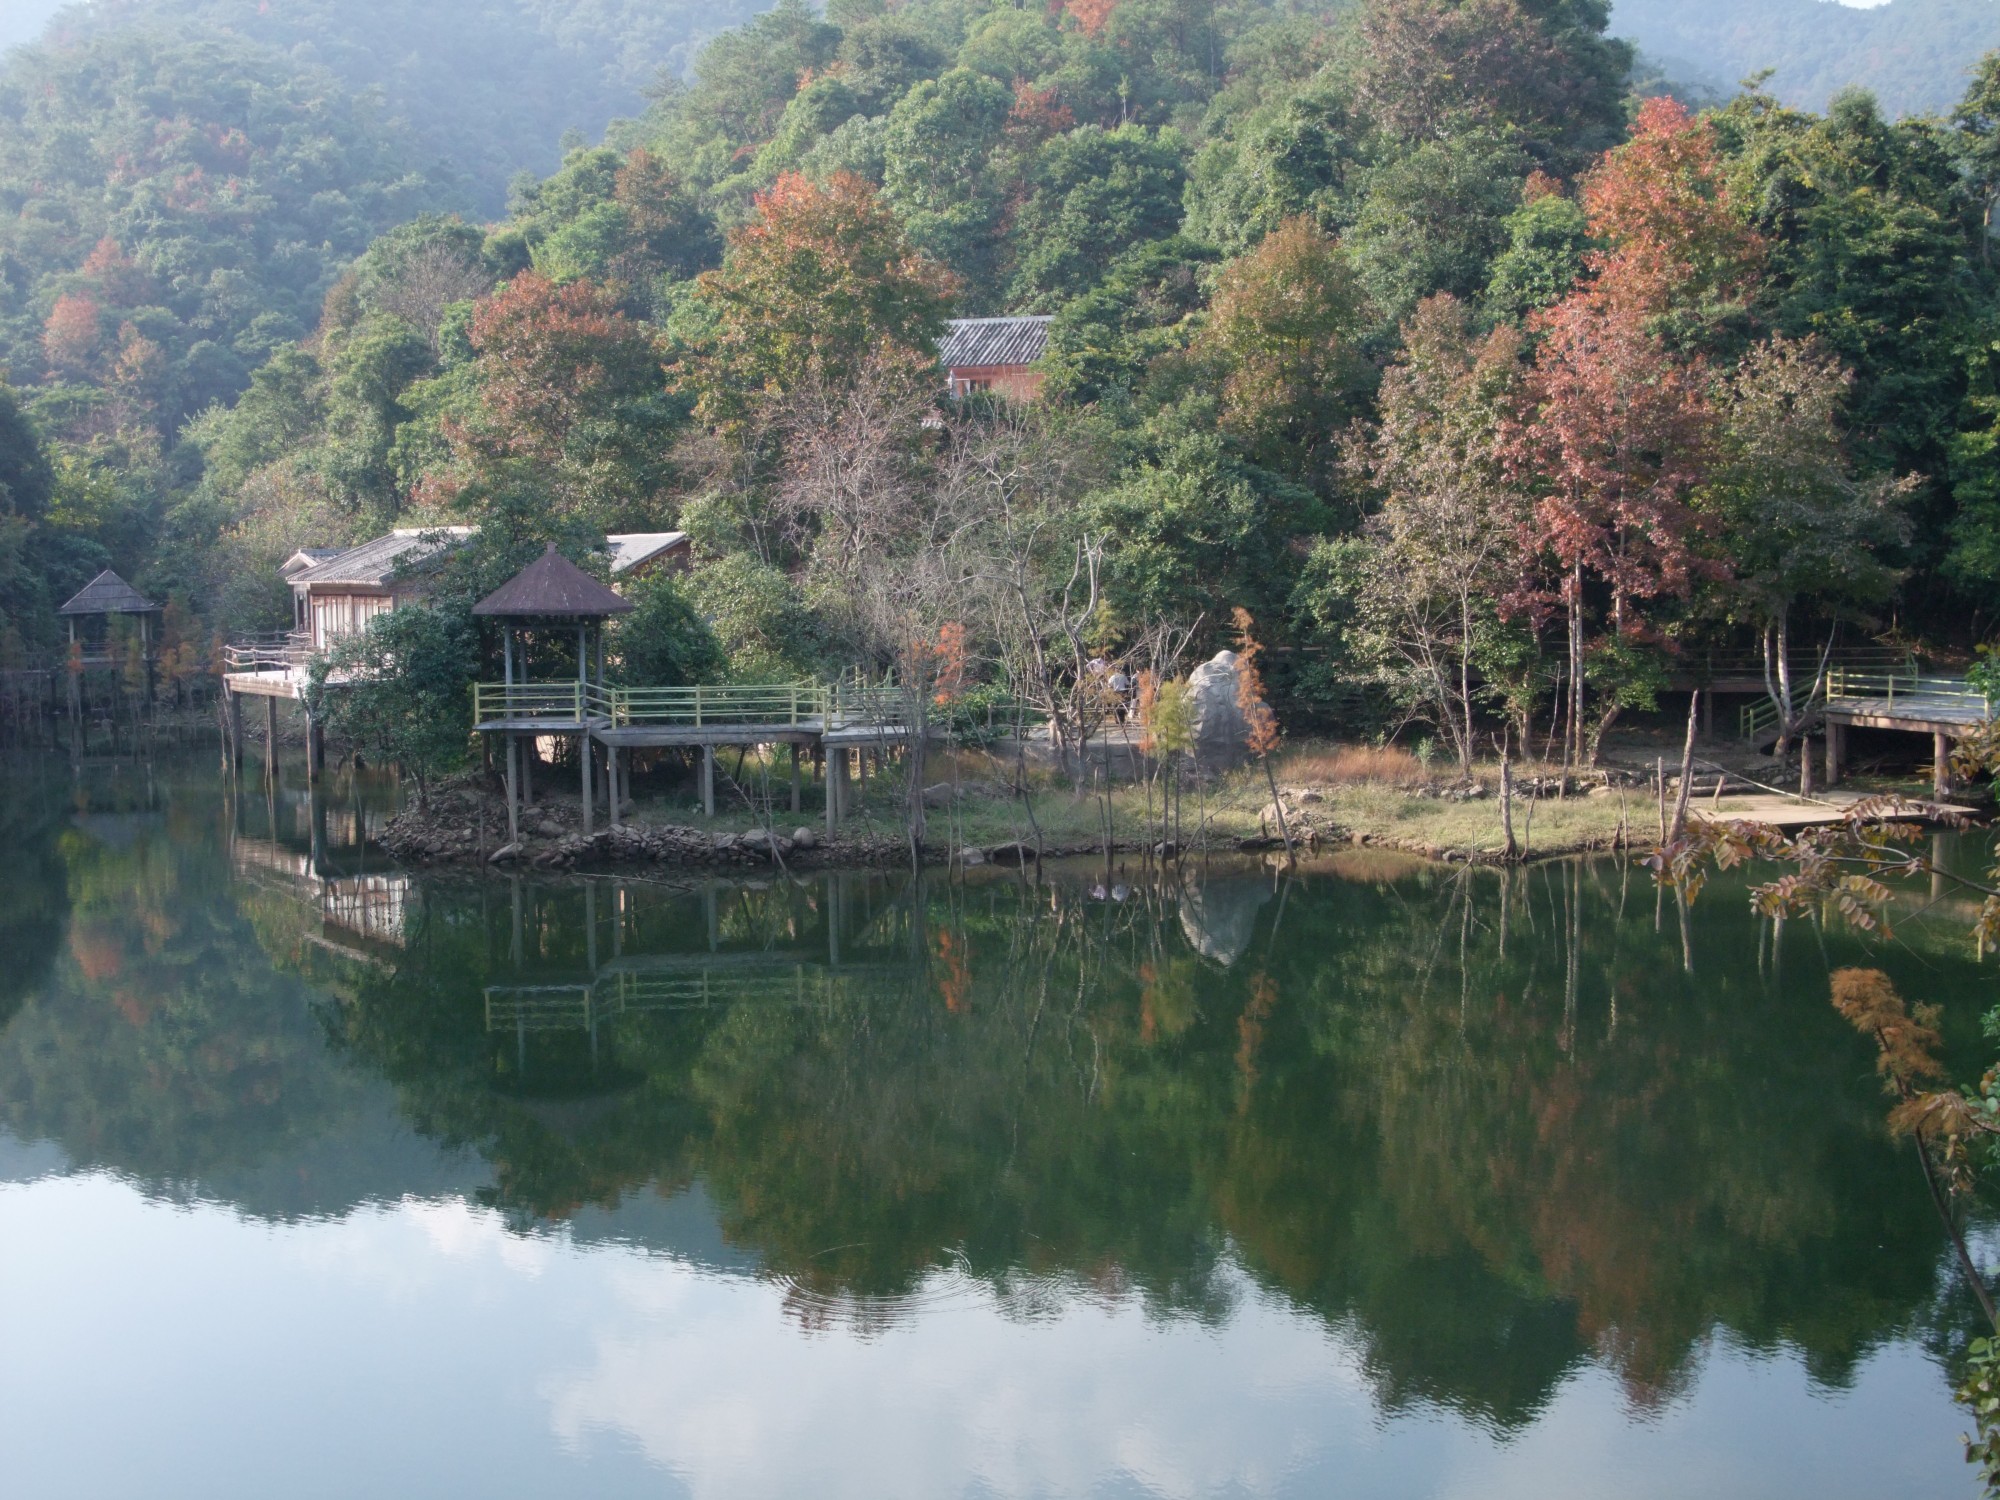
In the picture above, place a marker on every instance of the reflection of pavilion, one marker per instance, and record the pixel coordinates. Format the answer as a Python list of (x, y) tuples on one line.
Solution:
[(671, 982), (317, 852), (803, 974)]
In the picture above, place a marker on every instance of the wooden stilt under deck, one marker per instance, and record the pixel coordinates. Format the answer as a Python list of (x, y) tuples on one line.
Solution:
[(795, 776), (513, 789), (271, 738), (1836, 744), (708, 780), (236, 730), (1940, 764)]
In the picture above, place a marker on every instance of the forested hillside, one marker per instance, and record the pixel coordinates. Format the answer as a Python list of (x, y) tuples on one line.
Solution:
[(1399, 331), (1913, 55), (488, 86)]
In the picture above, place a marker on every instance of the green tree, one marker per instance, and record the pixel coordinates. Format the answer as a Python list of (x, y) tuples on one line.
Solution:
[(1548, 245), (402, 689), (938, 139), (1283, 333), (821, 280), (1798, 529), (1091, 194), (1433, 219), (664, 641)]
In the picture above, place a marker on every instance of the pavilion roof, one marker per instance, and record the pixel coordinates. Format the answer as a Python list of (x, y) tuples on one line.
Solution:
[(108, 594), (552, 587)]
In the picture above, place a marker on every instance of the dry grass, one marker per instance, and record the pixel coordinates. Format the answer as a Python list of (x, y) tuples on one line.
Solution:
[(1352, 765)]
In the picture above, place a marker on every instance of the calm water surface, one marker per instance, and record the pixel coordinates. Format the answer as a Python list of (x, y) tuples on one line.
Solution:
[(1382, 1180)]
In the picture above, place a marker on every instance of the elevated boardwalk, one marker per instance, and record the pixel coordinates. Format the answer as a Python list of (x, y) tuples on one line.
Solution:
[(830, 721)]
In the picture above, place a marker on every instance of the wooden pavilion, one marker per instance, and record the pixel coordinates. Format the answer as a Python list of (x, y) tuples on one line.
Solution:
[(552, 594), (104, 596)]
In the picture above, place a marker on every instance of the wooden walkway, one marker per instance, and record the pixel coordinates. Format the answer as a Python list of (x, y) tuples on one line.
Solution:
[(1945, 708), (830, 723)]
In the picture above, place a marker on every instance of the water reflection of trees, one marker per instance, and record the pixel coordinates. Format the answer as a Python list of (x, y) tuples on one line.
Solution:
[(152, 1036), (1476, 1118), (1484, 1123)]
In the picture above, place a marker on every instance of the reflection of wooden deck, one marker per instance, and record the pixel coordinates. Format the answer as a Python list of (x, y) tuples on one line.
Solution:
[(670, 982), (357, 912)]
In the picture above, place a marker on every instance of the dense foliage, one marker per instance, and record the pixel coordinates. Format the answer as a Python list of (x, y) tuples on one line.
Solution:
[(1352, 306)]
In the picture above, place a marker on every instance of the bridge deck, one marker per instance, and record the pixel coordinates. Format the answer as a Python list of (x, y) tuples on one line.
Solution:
[(268, 683), (1918, 712)]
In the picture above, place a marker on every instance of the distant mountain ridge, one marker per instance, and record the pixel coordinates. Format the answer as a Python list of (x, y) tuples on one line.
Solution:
[(491, 86), (1913, 55)]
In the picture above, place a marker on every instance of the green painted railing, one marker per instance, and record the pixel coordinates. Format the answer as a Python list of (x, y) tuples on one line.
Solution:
[(734, 703), (785, 703), (1949, 693), (1756, 718), (564, 702)]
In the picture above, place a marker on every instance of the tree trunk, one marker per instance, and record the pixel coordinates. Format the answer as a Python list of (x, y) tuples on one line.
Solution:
[(1687, 773)]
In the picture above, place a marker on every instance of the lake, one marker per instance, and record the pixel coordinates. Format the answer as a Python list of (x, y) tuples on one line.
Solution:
[(1377, 1179)]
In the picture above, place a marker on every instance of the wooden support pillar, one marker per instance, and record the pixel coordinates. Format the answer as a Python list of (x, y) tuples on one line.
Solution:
[(708, 781), (795, 776), (513, 789), (271, 738), (315, 749), (235, 728), (584, 755), (1940, 764), (1836, 736), (611, 779), (836, 786)]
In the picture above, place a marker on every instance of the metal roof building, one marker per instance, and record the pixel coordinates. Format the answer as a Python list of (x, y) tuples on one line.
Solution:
[(976, 343), (374, 563)]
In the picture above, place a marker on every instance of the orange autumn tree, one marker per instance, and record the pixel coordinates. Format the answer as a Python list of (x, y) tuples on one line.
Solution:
[(1259, 722), (821, 281)]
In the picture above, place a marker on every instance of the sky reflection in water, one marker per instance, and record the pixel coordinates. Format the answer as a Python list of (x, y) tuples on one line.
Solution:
[(1252, 1191)]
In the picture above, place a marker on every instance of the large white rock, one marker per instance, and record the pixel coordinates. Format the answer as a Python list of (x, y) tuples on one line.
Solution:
[(1220, 734)]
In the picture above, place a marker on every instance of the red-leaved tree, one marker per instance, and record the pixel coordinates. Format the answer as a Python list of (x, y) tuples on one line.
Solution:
[(1618, 429)]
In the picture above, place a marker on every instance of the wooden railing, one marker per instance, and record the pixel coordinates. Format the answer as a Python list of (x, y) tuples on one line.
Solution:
[(272, 651), (1954, 694), (1804, 665), (787, 704), (1756, 718), (563, 702)]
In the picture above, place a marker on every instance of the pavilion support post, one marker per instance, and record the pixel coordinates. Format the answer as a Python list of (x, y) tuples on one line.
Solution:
[(836, 786), (795, 776), (235, 728), (1940, 764), (315, 749), (708, 780), (527, 743), (1836, 735), (611, 779), (584, 756), (271, 738), (513, 790)]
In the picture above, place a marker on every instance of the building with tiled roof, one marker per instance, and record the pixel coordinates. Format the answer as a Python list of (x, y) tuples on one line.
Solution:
[(994, 354)]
